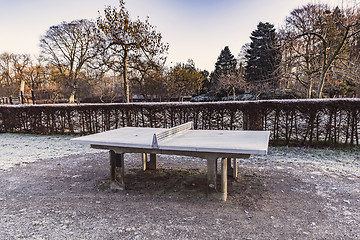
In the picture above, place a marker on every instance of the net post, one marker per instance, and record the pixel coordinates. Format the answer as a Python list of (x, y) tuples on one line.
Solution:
[(155, 143)]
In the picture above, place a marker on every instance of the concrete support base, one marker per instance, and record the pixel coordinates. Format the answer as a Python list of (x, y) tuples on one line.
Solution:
[(232, 170), (224, 173), (144, 161), (212, 178), (152, 164), (146, 164), (229, 167), (211, 174), (117, 171)]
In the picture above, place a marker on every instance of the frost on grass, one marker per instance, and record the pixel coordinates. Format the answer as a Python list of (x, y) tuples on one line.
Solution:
[(342, 161), (18, 149)]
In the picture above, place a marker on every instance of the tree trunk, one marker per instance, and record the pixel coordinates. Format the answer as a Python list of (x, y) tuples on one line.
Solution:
[(74, 87), (126, 84), (233, 88), (22, 86), (72, 96), (321, 84), (327, 66), (309, 88)]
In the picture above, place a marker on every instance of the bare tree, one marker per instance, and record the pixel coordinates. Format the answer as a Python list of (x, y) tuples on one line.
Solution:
[(7, 75), (21, 64), (148, 79), (345, 79), (232, 81), (302, 61), (319, 37), (36, 74), (125, 42), (68, 47), (14, 72)]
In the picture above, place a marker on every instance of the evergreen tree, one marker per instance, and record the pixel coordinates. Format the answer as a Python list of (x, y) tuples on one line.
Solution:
[(224, 67), (264, 56)]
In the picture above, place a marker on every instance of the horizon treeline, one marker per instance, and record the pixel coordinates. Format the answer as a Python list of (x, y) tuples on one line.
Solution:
[(316, 54)]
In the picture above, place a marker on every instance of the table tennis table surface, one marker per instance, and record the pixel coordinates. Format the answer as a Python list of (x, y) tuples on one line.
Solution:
[(212, 141)]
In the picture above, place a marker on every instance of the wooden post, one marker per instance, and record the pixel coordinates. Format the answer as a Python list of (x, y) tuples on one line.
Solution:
[(224, 178), (32, 96), (21, 100), (117, 171), (152, 164), (211, 174)]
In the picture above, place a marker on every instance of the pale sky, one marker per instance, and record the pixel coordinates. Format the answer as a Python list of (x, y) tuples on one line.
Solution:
[(194, 29)]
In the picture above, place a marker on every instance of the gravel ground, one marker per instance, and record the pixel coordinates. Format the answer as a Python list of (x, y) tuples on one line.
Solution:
[(292, 193)]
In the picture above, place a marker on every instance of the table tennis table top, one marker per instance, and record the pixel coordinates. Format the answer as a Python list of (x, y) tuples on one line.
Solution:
[(212, 141)]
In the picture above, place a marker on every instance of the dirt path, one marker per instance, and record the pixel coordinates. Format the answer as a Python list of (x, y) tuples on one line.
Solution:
[(69, 198)]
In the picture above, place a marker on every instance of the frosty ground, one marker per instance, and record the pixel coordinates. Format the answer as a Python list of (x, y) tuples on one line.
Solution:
[(292, 193), (19, 149)]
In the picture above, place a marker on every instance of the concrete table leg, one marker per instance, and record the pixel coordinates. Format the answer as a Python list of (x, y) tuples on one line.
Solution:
[(232, 169), (229, 168), (117, 171), (144, 161), (211, 174), (235, 168), (152, 164), (224, 174)]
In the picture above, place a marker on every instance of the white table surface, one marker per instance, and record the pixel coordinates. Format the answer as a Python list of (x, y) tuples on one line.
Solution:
[(212, 141)]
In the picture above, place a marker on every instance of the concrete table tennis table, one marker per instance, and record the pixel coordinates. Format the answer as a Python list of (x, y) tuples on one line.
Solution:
[(180, 140)]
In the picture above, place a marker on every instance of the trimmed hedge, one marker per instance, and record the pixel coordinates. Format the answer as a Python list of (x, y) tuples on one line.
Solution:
[(298, 122)]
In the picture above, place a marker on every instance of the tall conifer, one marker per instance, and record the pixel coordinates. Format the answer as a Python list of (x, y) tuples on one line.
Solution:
[(224, 66), (264, 56)]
